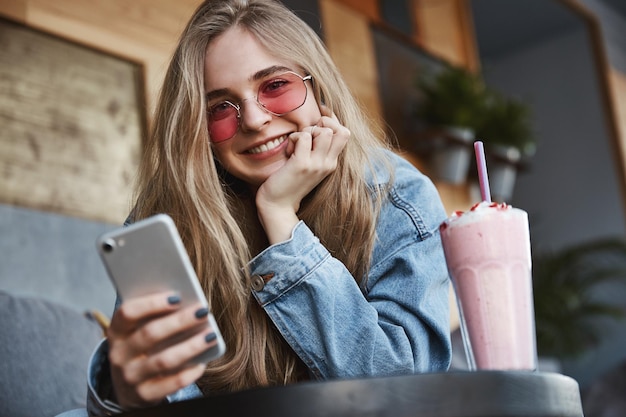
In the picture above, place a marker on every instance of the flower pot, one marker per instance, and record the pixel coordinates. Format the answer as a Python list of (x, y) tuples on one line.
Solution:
[(502, 163), (451, 154)]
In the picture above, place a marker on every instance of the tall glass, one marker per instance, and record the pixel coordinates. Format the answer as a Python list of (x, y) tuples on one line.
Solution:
[(487, 250)]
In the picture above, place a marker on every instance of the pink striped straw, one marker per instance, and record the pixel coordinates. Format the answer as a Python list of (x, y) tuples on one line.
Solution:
[(483, 178)]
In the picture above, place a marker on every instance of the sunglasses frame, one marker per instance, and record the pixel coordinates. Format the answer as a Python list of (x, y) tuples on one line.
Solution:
[(262, 106)]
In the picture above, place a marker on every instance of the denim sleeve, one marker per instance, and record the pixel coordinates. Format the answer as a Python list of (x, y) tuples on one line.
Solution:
[(397, 323), (99, 386)]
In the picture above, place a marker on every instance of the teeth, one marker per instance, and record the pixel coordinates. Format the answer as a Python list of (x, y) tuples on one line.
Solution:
[(268, 146)]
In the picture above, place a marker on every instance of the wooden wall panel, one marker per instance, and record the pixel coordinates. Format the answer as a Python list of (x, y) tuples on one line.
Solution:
[(349, 41), (82, 163), (71, 126), (618, 90), (368, 9), (445, 28), (16, 9), (144, 31)]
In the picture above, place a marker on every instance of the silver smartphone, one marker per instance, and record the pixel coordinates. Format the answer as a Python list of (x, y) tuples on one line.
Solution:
[(148, 257)]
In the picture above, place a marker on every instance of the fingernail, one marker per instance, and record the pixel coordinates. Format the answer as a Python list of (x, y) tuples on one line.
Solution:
[(210, 337), (203, 312), (173, 299)]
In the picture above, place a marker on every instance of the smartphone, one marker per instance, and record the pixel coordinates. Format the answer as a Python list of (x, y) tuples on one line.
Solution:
[(148, 257)]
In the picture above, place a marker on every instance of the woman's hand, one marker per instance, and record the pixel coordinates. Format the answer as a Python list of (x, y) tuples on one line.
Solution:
[(313, 156), (146, 365)]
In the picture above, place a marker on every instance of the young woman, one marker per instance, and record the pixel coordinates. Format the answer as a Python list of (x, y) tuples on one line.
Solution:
[(316, 245)]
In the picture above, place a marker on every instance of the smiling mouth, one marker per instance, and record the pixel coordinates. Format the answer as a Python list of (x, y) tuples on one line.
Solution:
[(268, 146)]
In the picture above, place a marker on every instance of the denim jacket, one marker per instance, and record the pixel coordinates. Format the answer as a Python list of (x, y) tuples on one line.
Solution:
[(396, 323)]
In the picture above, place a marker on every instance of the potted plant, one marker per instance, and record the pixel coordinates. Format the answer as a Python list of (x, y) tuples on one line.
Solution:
[(450, 106), (567, 305), (506, 130)]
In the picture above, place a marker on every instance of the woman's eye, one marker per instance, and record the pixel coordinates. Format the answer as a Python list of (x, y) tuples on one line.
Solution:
[(221, 110), (274, 87)]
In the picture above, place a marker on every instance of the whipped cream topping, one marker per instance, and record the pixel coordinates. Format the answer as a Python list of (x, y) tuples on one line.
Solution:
[(477, 210), (483, 205)]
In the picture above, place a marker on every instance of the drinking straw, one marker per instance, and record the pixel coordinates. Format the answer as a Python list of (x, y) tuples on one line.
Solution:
[(483, 179)]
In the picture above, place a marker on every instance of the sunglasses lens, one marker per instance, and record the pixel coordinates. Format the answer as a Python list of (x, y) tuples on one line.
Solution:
[(282, 94), (223, 122)]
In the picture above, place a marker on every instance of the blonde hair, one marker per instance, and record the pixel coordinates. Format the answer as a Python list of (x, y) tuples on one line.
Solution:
[(179, 176)]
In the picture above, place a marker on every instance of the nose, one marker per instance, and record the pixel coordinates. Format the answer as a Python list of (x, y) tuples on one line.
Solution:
[(253, 115)]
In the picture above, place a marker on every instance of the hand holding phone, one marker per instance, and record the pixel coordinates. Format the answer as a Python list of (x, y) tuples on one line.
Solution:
[(149, 257)]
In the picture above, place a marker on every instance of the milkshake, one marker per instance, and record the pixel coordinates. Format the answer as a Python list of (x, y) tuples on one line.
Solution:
[(487, 251)]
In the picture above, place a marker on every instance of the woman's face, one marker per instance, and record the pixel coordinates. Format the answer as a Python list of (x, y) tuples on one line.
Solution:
[(237, 69)]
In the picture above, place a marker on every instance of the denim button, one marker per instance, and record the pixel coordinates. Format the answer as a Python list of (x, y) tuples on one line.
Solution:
[(257, 282)]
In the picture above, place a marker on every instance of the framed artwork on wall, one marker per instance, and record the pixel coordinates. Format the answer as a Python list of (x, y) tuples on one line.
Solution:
[(72, 122)]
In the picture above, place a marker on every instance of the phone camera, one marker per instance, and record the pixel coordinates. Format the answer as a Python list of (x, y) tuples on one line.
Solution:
[(108, 245)]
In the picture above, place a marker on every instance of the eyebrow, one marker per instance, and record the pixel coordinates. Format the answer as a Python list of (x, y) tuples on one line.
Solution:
[(259, 75)]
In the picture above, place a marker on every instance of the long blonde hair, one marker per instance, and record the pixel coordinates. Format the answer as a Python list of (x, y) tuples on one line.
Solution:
[(179, 176)]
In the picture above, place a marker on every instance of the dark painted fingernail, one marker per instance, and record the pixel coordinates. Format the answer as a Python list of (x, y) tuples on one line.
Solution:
[(210, 337), (173, 299), (203, 312)]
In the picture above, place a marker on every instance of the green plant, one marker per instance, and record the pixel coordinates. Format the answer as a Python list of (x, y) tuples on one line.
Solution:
[(452, 97), (506, 122), (566, 307)]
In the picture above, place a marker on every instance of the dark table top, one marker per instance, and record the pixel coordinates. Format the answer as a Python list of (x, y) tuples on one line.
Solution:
[(450, 394)]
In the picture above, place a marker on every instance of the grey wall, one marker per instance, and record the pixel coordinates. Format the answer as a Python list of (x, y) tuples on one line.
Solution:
[(571, 189), (53, 257)]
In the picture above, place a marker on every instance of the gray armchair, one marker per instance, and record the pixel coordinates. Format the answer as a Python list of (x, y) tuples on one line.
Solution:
[(44, 351)]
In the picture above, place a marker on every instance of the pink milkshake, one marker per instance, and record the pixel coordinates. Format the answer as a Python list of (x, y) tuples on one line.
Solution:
[(487, 250)]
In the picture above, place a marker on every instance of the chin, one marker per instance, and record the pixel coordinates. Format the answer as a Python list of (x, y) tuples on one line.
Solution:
[(258, 178)]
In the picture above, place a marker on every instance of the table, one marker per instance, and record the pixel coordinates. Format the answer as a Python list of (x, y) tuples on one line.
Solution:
[(450, 394)]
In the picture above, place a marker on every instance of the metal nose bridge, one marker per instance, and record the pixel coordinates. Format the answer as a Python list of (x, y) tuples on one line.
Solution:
[(256, 100)]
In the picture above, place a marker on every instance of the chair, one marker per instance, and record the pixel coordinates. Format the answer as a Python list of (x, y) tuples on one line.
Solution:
[(44, 353)]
